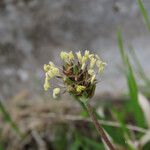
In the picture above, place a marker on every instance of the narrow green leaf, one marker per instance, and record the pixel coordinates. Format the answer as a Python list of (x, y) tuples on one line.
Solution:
[(75, 69), (93, 143), (8, 118), (132, 85), (75, 145), (77, 142), (139, 67), (1, 147), (144, 14), (125, 131), (69, 81)]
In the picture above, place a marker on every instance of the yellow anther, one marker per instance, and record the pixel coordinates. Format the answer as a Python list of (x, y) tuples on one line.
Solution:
[(51, 64), (80, 88), (46, 84), (92, 63), (86, 54), (71, 56), (101, 65), (53, 72), (91, 72), (97, 57), (46, 67), (79, 56), (83, 66), (91, 56), (93, 78), (64, 56), (56, 92)]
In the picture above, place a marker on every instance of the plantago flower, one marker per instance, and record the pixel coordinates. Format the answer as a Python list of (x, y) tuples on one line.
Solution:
[(78, 74), (79, 79)]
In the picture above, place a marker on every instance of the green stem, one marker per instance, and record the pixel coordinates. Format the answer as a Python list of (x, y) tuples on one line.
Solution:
[(98, 125)]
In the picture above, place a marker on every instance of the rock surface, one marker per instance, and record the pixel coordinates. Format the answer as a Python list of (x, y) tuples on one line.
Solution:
[(34, 31)]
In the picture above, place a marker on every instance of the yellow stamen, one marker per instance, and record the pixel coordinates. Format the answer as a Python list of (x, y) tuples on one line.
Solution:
[(46, 84), (79, 56), (56, 92), (46, 67), (86, 54), (64, 56), (93, 78), (80, 88), (92, 63), (91, 72), (71, 56)]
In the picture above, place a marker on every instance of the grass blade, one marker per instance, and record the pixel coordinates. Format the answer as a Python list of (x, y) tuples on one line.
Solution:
[(144, 14), (132, 85), (1, 147), (139, 67), (8, 118), (92, 143), (145, 106)]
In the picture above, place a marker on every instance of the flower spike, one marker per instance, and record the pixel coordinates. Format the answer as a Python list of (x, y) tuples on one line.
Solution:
[(78, 73)]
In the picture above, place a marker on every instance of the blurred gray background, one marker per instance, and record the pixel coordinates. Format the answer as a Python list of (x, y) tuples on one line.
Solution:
[(32, 32)]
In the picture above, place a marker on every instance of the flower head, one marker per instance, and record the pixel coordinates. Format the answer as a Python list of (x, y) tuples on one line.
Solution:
[(78, 73)]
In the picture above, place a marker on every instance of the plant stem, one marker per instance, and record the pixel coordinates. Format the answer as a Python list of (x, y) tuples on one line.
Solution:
[(98, 126)]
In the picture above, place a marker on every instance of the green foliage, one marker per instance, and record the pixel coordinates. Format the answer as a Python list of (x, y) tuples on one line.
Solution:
[(60, 141), (147, 146), (70, 136), (144, 14), (84, 142), (132, 85), (139, 67), (8, 119), (146, 87), (1, 147)]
